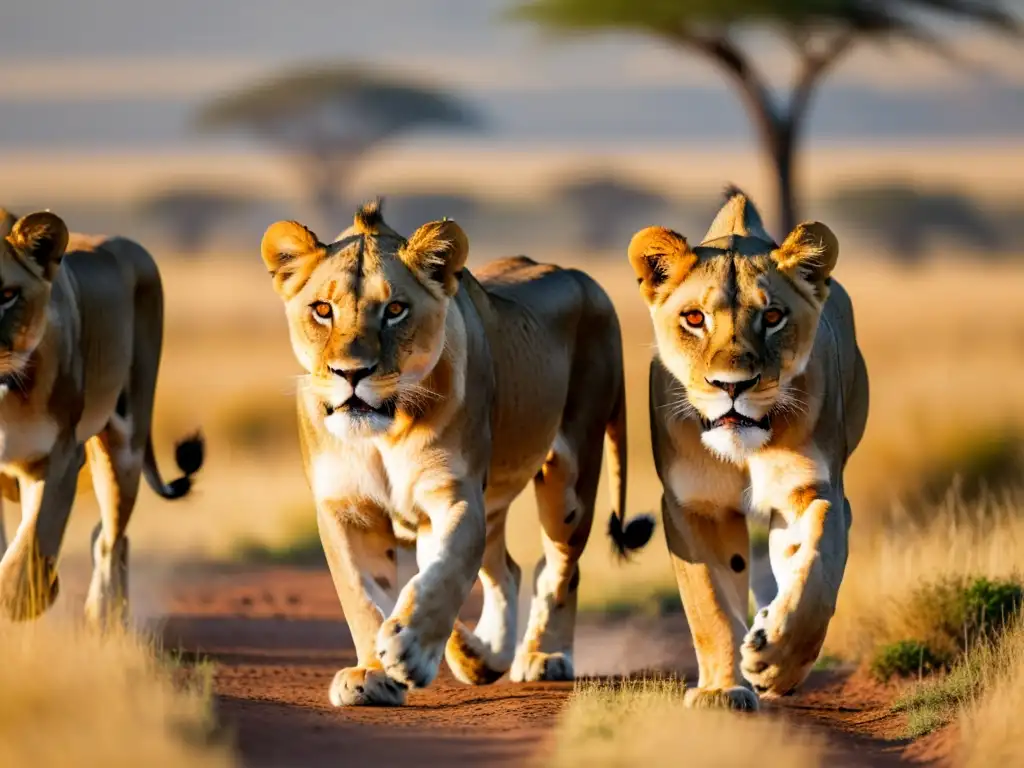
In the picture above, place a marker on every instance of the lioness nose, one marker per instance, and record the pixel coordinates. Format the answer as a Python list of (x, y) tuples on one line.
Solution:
[(354, 375), (735, 388)]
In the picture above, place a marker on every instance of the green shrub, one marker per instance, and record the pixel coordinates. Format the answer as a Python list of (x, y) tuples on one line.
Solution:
[(906, 658), (657, 601), (953, 616), (258, 425), (988, 606), (758, 539), (301, 546), (964, 611), (934, 702)]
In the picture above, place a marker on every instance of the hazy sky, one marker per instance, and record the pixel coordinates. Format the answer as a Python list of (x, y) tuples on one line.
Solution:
[(103, 73)]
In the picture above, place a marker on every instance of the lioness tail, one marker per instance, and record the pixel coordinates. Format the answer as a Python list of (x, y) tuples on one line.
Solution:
[(188, 455), (634, 535)]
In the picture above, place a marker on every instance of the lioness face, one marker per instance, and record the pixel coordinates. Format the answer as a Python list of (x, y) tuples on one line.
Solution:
[(30, 252), (735, 321), (366, 313)]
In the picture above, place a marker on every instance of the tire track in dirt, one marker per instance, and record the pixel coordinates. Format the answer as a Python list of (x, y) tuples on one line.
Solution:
[(277, 636)]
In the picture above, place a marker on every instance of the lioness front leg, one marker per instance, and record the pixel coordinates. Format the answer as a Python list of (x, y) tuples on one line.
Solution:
[(449, 552), (482, 655), (808, 550), (28, 571), (360, 549), (709, 546)]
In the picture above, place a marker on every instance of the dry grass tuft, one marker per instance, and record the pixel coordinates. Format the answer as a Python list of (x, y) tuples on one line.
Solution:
[(973, 687), (71, 696), (953, 613), (990, 726), (890, 569), (644, 722)]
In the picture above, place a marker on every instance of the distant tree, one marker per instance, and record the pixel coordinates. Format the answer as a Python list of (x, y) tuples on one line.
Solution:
[(820, 32), (605, 204), (328, 118), (190, 214), (905, 218), (408, 210)]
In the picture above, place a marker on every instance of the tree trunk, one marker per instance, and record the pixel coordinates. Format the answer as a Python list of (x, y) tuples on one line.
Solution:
[(326, 174), (783, 155), (778, 127), (326, 183)]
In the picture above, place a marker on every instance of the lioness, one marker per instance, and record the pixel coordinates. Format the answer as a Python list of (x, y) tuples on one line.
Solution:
[(80, 339), (758, 396), (433, 397)]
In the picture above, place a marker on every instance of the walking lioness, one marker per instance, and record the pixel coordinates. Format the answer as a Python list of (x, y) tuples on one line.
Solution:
[(433, 398), (758, 396), (80, 339)]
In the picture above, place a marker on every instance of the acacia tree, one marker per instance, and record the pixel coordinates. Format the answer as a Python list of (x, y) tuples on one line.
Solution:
[(328, 118), (820, 32), (604, 202), (191, 213)]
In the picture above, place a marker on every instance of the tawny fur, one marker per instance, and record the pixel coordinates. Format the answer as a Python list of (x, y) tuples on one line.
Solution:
[(81, 324), (800, 388), (434, 396)]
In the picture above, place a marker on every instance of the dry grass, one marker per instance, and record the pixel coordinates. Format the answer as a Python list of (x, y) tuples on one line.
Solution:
[(879, 600), (108, 702), (990, 726), (645, 723), (880, 604), (974, 688)]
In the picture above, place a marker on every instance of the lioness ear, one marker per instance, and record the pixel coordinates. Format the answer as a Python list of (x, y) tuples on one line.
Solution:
[(810, 252), (436, 253), (43, 238), (291, 252), (658, 254), (7, 220)]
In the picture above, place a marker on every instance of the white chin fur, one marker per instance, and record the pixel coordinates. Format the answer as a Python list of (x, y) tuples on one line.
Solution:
[(735, 445), (346, 426), (713, 407)]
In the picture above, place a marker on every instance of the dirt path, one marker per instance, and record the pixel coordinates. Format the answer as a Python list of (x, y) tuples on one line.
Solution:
[(277, 637)]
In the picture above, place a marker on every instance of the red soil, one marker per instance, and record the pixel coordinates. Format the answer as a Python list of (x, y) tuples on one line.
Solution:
[(277, 636)]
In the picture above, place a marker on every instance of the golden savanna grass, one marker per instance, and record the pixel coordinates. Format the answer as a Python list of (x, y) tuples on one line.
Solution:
[(990, 725), (73, 697), (881, 598), (645, 723)]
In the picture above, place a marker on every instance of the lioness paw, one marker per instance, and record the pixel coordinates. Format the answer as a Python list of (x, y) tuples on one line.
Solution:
[(535, 667), (362, 687), (737, 698), (775, 659), (405, 656)]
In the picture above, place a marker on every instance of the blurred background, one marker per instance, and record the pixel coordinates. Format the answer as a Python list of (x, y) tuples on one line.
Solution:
[(193, 125)]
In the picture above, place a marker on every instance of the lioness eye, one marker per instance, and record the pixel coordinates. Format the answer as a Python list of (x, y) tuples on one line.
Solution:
[(7, 295), (395, 311), (694, 318), (773, 317), (322, 310)]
